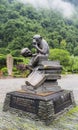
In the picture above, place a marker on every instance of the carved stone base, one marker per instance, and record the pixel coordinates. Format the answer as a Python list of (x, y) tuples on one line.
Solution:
[(43, 106)]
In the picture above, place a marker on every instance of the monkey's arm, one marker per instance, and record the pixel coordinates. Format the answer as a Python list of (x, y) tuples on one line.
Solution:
[(39, 49)]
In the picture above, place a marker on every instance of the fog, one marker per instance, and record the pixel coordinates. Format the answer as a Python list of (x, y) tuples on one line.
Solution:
[(66, 8)]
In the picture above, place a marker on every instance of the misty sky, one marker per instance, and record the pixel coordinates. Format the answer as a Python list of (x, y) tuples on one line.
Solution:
[(66, 8)]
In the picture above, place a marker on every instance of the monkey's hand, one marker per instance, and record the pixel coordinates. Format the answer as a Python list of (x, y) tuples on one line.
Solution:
[(35, 45), (34, 54)]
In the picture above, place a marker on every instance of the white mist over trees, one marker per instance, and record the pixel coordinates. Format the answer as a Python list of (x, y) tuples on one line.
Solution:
[(64, 7)]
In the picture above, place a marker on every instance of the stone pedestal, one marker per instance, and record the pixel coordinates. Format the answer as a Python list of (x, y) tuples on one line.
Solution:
[(43, 106), (41, 98)]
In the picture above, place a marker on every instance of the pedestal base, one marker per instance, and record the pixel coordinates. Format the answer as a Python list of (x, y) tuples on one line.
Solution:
[(45, 106)]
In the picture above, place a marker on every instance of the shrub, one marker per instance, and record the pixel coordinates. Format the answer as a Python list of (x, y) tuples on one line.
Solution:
[(2, 61), (20, 73), (62, 55), (17, 60), (15, 53), (75, 65), (5, 71)]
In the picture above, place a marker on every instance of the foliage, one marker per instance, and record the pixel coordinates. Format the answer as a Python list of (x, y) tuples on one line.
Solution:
[(15, 53), (4, 71), (69, 63), (19, 22), (19, 72), (26, 60), (2, 61), (76, 51), (75, 65), (62, 55), (17, 60), (16, 72)]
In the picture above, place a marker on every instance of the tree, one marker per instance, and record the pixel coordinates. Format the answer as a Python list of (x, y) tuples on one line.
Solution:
[(19, 22), (63, 44), (76, 51)]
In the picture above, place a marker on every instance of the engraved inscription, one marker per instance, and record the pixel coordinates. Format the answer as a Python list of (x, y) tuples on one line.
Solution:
[(24, 104), (62, 102)]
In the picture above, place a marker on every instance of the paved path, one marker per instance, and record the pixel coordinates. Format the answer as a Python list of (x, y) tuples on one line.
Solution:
[(69, 82), (8, 85)]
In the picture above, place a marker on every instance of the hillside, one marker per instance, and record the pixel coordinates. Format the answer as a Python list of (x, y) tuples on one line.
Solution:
[(19, 22)]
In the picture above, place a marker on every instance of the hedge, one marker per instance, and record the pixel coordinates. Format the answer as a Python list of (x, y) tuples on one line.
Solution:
[(3, 60)]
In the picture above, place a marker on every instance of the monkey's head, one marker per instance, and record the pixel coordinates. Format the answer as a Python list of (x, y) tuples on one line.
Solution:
[(37, 39)]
